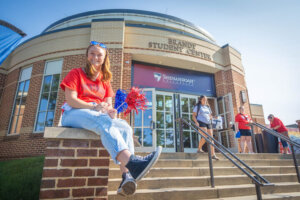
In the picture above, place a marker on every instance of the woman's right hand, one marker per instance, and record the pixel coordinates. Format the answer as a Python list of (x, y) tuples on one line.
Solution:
[(101, 107)]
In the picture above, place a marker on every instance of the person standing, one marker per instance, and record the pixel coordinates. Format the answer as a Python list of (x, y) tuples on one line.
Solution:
[(277, 125), (202, 116), (241, 120)]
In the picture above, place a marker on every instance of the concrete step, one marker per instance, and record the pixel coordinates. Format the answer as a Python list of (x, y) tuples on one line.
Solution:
[(194, 193), (181, 155), (276, 196), (197, 181), (220, 163), (204, 171)]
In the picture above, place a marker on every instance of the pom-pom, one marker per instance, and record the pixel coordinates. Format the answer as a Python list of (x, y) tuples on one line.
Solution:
[(120, 103), (135, 100)]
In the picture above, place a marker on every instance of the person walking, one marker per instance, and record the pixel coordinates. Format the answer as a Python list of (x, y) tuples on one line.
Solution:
[(277, 125), (202, 116), (88, 105), (241, 120)]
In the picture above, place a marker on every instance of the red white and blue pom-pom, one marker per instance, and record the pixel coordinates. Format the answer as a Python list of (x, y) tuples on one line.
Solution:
[(134, 100)]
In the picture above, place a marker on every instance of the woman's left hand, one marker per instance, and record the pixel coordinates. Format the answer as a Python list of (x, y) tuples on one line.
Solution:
[(112, 113)]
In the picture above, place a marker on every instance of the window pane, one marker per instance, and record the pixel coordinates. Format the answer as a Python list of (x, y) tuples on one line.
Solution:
[(19, 123), (160, 138), (22, 106), (26, 88), (46, 84), (138, 133), (192, 104), (49, 120), (17, 106), (169, 120), (20, 90), (13, 124), (40, 121), (169, 103), (52, 101), (53, 67), (186, 139), (55, 82), (160, 120), (160, 102), (44, 102), (195, 139), (147, 117), (26, 74), (186, 117), (170, 138), (184, 105), (138, 119), (147, 137), (149, 98)]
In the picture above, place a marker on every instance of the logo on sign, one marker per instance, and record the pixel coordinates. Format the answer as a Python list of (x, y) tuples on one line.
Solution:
[(157, 76)]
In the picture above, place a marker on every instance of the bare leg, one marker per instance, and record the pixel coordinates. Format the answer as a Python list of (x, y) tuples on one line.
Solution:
[(123, 157), (285, 150), (249, 143), (243, 140), (202, 141)]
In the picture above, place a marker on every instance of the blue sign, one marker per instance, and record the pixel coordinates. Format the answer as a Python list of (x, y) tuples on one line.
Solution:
[(177, 80)]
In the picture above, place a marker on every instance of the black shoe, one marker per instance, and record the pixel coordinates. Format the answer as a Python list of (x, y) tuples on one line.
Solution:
[(127, 186), (139, 166)]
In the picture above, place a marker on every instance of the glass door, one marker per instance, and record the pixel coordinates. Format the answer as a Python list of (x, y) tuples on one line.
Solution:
[(225, 110), (165, 124), (143, 124), (190, 138)]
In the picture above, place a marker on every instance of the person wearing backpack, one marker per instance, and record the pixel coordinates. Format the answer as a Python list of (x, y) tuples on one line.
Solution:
[(202, 116)]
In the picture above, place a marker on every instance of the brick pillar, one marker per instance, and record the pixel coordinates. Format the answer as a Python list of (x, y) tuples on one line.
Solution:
[(76, 165)]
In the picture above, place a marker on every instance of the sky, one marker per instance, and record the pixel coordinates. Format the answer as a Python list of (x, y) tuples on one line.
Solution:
[(266, 33)]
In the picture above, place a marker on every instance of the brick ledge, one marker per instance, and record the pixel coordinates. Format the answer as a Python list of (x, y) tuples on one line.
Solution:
[(69, 133)]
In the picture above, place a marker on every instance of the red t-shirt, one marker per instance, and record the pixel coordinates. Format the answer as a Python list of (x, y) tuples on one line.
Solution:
[(87, 90), (243, 119), (277, 122)]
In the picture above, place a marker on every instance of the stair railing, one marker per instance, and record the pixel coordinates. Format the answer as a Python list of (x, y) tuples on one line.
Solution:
[(257, 179), (282, 137)]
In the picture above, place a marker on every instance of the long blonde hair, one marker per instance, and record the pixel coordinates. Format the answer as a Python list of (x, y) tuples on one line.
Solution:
[(105, 68)]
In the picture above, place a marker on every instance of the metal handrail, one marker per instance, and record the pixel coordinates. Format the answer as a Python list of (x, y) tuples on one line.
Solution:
[(283, 137), (257, 179)]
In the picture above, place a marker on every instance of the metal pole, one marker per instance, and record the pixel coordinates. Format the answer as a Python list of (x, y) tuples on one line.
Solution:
[(212, 180), (253, 139), (296, 163), (258, 192), (181, 148)]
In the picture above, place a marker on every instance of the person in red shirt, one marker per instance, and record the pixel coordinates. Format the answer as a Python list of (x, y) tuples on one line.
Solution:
[(242, 120), (277, 125), (88, 105)]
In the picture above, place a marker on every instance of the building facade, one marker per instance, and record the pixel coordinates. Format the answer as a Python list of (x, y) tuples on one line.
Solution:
[(173, 60)]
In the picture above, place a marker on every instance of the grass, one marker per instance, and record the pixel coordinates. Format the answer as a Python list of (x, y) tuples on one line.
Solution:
[(20, 179)]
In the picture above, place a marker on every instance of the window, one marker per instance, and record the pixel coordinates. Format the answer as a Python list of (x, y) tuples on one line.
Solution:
[(20, 101), (47, 103)]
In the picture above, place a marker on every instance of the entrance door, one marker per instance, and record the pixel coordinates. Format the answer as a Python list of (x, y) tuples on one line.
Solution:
[(190, 138), (143, 124), (165, 123), (226, 135)]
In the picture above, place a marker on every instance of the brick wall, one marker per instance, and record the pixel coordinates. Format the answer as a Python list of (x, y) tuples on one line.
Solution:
[(232, 82), (2, 83), (74, 169)]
